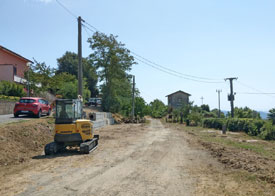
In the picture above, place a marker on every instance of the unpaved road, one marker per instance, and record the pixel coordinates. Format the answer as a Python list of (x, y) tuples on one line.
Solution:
[(7, 118), (130, 160)]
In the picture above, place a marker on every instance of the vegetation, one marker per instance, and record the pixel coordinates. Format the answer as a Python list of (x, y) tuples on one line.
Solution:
[(11, 89), (271, 115), (113, 62), (68, 63), (157, 109)]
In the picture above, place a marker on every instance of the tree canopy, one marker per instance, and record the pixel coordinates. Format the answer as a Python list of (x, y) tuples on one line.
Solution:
[(113, 62)]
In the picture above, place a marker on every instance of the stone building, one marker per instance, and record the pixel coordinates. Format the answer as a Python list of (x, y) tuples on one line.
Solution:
[(177, 99)]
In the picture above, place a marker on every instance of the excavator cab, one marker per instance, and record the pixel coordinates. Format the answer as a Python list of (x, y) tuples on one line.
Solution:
[(68, 111), (71, 129)]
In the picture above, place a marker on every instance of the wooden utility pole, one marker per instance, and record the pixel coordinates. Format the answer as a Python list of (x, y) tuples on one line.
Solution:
[(231, 97), (133, 99), (219, 91), (80, 69)]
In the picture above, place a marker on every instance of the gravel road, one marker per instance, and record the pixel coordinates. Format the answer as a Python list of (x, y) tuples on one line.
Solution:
[(130, 160)]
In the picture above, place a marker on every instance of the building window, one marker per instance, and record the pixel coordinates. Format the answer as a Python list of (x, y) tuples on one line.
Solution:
[(14, 71)]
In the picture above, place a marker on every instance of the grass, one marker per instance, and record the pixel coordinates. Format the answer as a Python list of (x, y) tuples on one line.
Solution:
[(239, 140)]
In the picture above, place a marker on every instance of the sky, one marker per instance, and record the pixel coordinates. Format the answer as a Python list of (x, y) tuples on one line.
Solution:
[(213, 39)]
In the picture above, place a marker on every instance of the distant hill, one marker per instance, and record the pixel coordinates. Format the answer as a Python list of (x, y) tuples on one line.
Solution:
[(262, 114)]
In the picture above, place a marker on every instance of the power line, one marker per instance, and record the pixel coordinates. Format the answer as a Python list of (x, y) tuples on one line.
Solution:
[(259, 91), (173, 74), (145, 60), (203, 78), (64, 7), (255, 93)]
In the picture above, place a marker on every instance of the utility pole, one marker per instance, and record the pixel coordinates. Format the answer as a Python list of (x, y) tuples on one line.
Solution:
[(29, 66), (202, 100), (231, 97), (133, 99), (80, 69), (219, 91)]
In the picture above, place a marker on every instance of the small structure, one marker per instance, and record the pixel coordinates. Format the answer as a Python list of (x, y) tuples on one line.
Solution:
[(177, 99), (12, 66)]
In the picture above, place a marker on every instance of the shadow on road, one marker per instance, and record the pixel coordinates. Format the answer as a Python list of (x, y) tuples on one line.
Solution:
[(66, 153)]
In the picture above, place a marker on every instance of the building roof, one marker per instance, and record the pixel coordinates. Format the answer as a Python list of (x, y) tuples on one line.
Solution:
[(179, 92), (15, 54)]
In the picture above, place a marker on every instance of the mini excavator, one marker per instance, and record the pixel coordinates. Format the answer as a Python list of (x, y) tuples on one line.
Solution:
[(71, 129)]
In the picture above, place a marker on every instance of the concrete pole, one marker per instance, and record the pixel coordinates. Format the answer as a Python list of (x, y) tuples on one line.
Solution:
[(80, 69)]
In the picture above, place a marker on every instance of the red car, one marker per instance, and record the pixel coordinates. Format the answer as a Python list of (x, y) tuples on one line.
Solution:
[(32, 106)]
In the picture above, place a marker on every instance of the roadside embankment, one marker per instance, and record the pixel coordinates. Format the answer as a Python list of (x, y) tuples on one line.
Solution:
[(20, 141), (236, 150)]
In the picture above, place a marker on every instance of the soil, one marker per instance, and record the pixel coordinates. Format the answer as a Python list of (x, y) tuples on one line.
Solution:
[(132, 159)]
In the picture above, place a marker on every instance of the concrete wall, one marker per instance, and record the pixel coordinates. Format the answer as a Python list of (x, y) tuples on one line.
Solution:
[(6, 107), (102, 119)]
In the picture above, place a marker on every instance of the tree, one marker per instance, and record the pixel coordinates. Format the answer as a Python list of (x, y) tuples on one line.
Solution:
[(205, 107), (158, 109), (69, 63), (113, 62), (245, 113), (271, 115), (39, 76)]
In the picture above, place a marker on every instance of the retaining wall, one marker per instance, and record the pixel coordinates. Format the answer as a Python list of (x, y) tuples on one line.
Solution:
[(101, 119), (6, 107)]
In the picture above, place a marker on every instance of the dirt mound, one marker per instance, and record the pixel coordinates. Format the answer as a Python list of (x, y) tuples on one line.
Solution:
[(118, 118), (20, 141)]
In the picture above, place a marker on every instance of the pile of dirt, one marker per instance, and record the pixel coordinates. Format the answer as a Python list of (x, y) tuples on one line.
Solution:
[(118, 118), (21, 141), (263, 167)]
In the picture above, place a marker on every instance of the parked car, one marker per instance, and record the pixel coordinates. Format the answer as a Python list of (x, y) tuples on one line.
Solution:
[(32, 106), (94, 101)]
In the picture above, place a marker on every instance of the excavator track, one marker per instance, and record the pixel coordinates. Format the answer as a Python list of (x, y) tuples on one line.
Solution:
[(53, 148), (87, 147)]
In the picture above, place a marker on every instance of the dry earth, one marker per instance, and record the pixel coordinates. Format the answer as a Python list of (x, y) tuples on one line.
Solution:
[(147, 159)]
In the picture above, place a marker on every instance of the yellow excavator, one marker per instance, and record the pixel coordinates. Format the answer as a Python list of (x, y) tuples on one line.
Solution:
[(71, 129)]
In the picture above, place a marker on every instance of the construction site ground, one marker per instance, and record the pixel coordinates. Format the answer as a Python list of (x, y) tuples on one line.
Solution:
[(154, 158)]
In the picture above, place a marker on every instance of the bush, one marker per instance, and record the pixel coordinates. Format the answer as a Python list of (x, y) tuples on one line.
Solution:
[(268, 131), (215, 123), (249, 126), (11, 89)]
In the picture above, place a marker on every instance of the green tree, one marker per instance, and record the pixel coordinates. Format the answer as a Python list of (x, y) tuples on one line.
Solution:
[(158, 109), (205, 107), (245, 113), (69, 63), (39, 76), (113, 62), (271, 115)]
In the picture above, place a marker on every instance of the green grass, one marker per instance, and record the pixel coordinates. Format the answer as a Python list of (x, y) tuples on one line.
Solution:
[(261, 147)]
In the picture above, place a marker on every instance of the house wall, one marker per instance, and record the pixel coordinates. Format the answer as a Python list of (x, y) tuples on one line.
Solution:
[(10, 59), (6, 72), (176, 100)]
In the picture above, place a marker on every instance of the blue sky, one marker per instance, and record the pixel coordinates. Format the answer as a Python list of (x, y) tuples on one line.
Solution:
[(205, 38)]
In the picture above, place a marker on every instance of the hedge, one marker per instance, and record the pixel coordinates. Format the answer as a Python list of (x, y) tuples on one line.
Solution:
[(254, 127)]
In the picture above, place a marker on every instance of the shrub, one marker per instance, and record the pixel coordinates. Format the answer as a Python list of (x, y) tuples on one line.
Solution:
[(215, 123), (249, 126), (268, 131), (11, 89)]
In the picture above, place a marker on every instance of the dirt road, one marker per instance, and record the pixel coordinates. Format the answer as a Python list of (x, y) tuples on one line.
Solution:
[(130, 160)]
